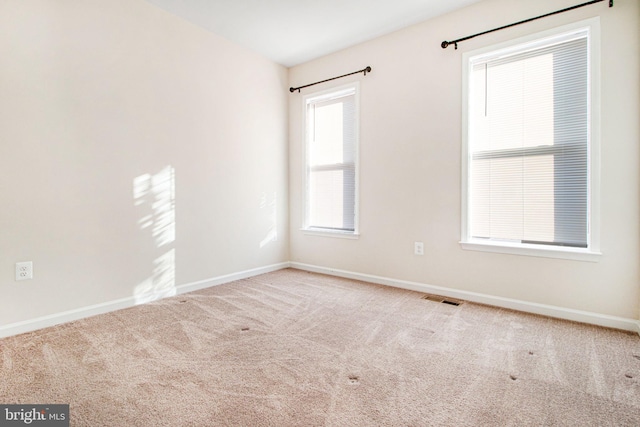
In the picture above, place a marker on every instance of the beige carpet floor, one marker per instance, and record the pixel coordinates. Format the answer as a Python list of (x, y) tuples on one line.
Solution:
[(292, 348)]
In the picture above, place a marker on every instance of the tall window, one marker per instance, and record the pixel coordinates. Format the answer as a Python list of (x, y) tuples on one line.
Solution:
[(331, 161), (529, 145)]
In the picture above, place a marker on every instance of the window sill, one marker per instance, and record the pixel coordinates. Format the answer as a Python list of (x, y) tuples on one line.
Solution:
[(330, 233), (575, 254)]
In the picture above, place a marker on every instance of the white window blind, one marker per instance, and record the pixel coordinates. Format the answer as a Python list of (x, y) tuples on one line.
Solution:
[(331, 161), (528, 143)]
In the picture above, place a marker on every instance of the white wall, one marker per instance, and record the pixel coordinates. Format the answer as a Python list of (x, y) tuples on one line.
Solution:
[(94, 94), (410, 162)]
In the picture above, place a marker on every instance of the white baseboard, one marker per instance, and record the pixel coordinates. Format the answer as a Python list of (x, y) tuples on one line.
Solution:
[(84, 312), (64, 317), (529, 307), (547, 310), (221, 280)]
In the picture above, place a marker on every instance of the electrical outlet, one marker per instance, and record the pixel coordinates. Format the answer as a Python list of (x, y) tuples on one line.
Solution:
[(24, 270), (418, 248)]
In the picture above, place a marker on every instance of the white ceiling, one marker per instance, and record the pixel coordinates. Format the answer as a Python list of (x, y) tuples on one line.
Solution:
[(291, 32)]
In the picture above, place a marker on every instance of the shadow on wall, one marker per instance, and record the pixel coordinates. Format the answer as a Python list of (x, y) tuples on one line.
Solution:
[(154, 197), (268, 205)]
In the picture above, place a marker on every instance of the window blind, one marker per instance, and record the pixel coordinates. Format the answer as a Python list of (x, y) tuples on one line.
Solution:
[(331, 165), (528, 143)]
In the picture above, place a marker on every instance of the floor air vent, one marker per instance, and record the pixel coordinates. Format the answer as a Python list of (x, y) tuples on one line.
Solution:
[(441, 299)]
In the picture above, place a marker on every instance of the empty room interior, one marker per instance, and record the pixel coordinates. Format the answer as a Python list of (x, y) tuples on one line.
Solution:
[(321, 213)]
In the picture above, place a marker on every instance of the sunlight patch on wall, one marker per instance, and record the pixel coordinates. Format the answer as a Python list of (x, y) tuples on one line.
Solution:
[(158, 193), (162, 283), (154, 195), (268, 207)]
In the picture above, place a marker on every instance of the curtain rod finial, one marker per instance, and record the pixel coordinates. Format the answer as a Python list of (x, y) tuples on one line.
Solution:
[(444, 44)]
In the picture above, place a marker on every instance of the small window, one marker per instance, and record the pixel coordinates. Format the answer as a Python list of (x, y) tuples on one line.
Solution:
[(331, 161), (530, 147)]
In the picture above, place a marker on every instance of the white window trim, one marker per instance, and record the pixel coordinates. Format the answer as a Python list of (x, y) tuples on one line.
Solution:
[(330, 233), (592, 252), (325, 232)]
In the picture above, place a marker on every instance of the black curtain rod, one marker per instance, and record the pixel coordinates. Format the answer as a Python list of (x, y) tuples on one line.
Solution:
[(446, 44), (364, 70)]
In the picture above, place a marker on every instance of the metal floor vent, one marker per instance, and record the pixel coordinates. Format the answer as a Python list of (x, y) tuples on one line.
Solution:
[(441, 299)]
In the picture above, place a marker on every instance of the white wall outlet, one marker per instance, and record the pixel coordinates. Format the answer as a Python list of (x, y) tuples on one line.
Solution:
[(418, 248), (24, 270)]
